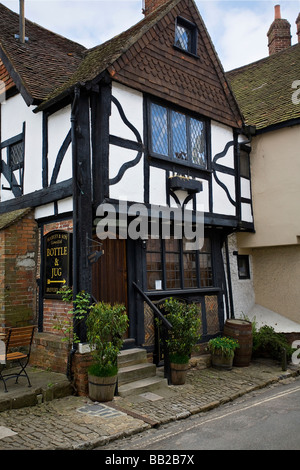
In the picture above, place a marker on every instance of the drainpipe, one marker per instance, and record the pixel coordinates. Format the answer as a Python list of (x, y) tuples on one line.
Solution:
[(74, 192), (229, 279)]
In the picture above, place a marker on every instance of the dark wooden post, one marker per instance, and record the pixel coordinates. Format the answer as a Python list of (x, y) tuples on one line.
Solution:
[(82, 198)]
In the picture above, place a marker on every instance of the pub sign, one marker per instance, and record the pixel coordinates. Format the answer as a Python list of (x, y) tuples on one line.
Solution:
[(57, 262)]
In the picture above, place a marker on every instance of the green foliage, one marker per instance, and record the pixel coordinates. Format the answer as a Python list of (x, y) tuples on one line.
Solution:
[(224, 345), (79, 310), (106, 324), (269, 343), (185, 333), (103, 371)]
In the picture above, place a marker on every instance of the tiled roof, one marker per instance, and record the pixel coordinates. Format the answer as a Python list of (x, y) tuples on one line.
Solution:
[(48, 66), (41, 64), (144, 57), (264, 90), (10, 218), (99, 58)]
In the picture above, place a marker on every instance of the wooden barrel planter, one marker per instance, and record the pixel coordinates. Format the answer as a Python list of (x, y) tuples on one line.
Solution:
[(241, 330), (102, 388), (178, 373), (221, 362)]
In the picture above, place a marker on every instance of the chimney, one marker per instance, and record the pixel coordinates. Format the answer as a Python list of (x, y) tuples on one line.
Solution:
[(150, 5), (279, 34), (298, 26), (22, 22)]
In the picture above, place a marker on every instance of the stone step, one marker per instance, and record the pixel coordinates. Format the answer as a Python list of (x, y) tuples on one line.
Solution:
[(128, 357), (150, 384), (136, 372)]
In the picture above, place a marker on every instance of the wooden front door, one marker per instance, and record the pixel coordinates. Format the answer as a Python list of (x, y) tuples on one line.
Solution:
[(110, 273)]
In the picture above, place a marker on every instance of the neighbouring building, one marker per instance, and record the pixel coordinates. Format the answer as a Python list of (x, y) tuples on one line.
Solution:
[(146, 118), (268, 93)]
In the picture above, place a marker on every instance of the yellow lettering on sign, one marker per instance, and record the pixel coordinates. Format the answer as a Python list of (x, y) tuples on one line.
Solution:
[(59, 251)]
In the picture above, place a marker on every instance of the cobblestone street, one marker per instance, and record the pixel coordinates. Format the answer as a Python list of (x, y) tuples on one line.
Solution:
[(77, 423)]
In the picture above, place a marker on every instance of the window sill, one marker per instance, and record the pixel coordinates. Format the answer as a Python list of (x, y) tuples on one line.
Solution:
[(180, 163), (188, 53), (170, 292)]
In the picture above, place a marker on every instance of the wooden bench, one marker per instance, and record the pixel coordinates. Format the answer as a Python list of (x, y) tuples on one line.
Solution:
[(18, 343)]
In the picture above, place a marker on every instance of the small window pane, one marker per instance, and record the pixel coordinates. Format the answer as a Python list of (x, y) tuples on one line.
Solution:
[(183, 38), (159, 130), (172, 271), (190, 270), (172, 244), (244, 164), (243, 266), (179, 136), (154, 264), (198, 142), (16, 153), (206, 247), (205, 270)]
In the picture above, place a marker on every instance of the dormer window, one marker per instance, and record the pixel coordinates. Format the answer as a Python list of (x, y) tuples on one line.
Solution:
[(186, 36)]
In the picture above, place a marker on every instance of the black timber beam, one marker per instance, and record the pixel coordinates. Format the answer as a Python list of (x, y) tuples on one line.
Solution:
[(38, 198)]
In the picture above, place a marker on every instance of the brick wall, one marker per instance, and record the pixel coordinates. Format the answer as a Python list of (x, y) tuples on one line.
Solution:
[(151, 5), (18, 266), (49, 352)]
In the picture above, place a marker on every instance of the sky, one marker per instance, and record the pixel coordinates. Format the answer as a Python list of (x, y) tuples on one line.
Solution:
[(237, 28)]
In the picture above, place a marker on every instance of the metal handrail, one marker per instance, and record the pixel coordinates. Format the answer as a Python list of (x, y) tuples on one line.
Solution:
[(166, 323)]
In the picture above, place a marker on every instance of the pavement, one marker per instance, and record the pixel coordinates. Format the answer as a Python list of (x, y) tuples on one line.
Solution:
[(48, 416)]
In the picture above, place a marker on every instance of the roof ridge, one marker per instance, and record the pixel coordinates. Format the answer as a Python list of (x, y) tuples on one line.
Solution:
[(264, 59), (149, 20)]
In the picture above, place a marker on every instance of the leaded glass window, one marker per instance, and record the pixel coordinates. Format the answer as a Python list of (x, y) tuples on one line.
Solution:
[(178, 136), (186, 36), (159, 129), (16, 154), (183, 38), (170, 264)]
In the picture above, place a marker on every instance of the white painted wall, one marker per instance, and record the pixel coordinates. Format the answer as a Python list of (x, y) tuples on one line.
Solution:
[(131, 186), (242, 289), (59, 125), (13, 113), (157, 183), (221, 135), (132, 104)]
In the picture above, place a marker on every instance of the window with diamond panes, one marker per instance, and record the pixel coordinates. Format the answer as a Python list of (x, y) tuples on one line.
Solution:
[(13, 163), (159, 129), (185, 36), (16, 155), (177, 136)]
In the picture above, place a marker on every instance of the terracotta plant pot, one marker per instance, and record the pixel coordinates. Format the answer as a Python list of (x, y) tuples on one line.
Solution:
[(178, 373), (102, 388)]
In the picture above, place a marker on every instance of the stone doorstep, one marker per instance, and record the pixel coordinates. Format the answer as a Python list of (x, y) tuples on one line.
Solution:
[(136, 372), (136, 375)]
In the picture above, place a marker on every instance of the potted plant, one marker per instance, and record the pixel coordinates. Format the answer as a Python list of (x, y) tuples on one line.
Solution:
[(222, 351), (106, 324), (183, 336)]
